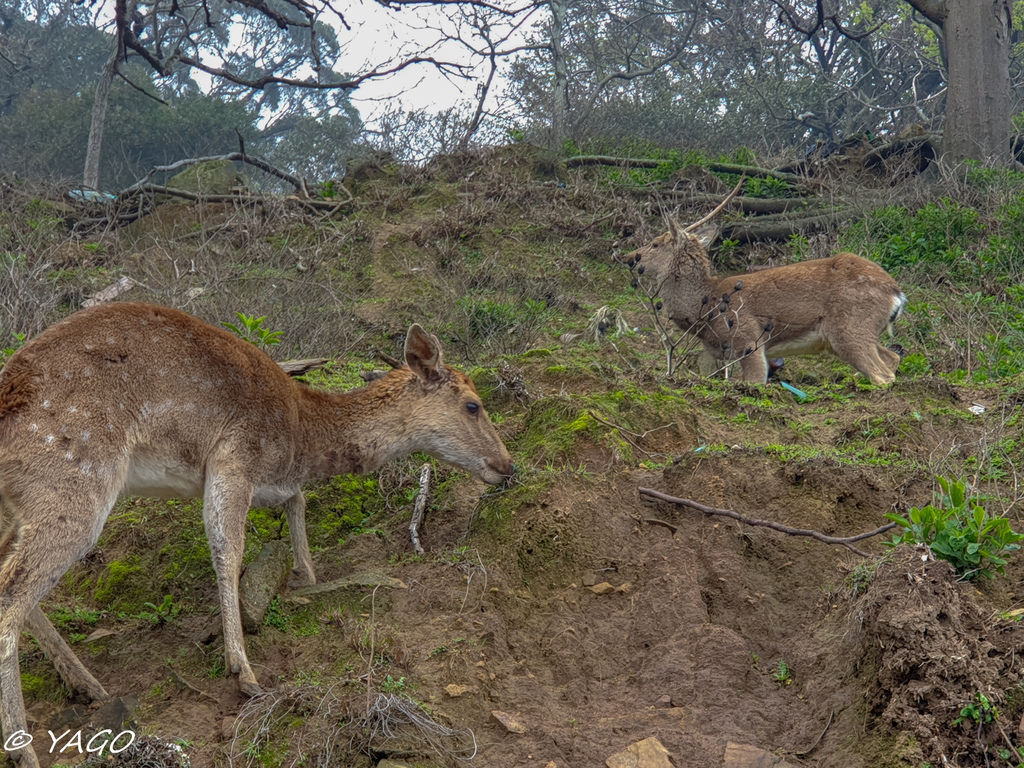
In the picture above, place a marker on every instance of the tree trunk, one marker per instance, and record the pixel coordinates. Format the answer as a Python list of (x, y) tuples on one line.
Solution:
[(976, 34), (91, 173), (560, 89)]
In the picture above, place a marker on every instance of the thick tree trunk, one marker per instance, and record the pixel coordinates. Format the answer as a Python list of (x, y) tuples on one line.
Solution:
[(976, 34)]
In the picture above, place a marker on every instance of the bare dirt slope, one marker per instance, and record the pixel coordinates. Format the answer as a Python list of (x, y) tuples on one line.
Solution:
[(561, 620)]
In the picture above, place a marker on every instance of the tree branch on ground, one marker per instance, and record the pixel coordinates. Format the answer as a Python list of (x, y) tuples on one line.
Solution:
[(845, 541)]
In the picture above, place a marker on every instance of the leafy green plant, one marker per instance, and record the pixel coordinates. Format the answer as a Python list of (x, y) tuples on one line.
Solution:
[(957, 528), (11, 348), (162, 613), (782, 673), (939, 233), (392, 684), (251, 329), (767, 187), (981, 710), (275, 616)]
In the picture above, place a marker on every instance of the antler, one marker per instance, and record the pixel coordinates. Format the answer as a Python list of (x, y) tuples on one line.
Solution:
[(718, 208)]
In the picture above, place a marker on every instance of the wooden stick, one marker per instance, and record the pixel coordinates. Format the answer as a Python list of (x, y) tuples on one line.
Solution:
[(846, 541), (419, 508)]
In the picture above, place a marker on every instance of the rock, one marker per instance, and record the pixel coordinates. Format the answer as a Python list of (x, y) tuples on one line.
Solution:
[(649, 753), (115, 713), (603, 588), (663, 702), (263, 578), (212, 177), (749, 756), (512, 723), (455, 690)]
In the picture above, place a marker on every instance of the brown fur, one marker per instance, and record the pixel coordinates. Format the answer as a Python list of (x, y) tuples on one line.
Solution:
[(841, 304), (134, 399)]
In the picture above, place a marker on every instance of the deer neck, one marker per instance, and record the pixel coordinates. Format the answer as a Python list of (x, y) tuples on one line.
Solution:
[(352, 432), (689, 284)]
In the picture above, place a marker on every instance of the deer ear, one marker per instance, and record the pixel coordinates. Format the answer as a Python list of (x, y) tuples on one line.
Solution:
[(707, 234), (423, 353)]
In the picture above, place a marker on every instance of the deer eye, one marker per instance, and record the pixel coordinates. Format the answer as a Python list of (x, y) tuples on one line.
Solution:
[(473, 408)]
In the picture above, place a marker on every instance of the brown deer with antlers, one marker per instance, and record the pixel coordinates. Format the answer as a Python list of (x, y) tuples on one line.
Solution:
[(135, 399), (841, 304)]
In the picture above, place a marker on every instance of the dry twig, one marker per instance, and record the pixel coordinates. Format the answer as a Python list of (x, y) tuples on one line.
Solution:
[(845, 541), (419, 508)]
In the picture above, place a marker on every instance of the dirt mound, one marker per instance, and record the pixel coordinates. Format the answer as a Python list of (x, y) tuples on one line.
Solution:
[(927, 647)]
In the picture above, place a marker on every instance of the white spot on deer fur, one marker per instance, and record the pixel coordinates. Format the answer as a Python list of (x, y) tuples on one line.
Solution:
[(34, 427), (110, 427), (86, 468), (73, 409), (49, 439), (85, 436), (69, 456), (46, 403)]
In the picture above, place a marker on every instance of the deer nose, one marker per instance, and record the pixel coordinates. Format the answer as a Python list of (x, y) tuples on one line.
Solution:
[(506, 468)]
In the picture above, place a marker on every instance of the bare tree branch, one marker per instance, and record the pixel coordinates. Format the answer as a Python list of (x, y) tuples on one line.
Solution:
[(845, 541)]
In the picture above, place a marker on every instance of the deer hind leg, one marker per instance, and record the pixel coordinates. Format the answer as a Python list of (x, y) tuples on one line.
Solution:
[(867, 358), (295, 510), (226, 502), (47, 537), (890, 359)]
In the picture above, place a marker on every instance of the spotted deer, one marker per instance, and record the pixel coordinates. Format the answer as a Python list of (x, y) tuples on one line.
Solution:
[(135, 399), (840, 304)]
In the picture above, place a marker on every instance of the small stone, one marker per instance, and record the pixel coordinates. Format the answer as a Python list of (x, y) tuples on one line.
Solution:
[(512, 723), (99, 634), (749, 756), (663, 702), (603, 588), (455, 690), (589, 578), (624, 587), (649, 753)]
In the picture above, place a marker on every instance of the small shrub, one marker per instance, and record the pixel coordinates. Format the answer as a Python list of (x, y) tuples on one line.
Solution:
[(251, 329), (958, 529)]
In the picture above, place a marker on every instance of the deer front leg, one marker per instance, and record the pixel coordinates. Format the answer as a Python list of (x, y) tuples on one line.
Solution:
[(754, 364), (295, 511), (226, 502)]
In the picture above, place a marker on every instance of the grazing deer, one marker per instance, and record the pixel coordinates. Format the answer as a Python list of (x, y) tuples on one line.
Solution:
[(840, 304), (133, 399)]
